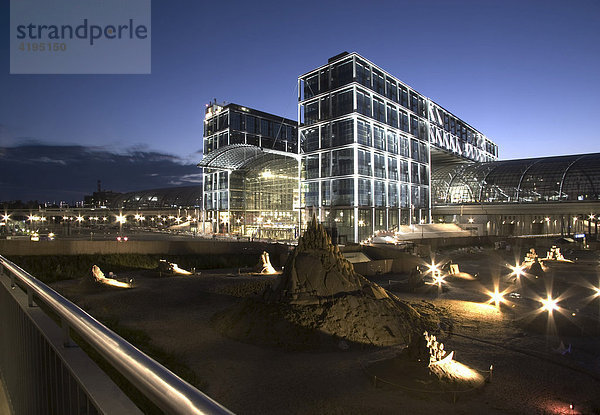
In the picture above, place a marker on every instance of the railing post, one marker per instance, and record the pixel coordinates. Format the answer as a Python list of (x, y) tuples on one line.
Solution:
[(30, 302), (67, 341)]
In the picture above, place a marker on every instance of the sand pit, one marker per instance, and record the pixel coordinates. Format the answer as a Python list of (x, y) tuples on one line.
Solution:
[(320, 301)]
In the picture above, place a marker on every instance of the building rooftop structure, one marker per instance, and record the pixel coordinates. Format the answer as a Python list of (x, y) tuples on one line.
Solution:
[(533, 180), (165, 198)]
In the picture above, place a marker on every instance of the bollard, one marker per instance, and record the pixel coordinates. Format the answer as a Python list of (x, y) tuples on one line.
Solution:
[(375, 381), (491, 372)]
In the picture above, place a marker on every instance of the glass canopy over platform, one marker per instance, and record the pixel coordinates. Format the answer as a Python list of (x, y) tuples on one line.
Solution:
[(536, 180)]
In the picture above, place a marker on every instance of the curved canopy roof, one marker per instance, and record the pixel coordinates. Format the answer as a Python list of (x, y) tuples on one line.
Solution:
[(545, 179), (236, 156)]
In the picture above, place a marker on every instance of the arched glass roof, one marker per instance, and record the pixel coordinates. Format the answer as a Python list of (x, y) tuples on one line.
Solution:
[(538, 180), (187, 196), (236, 156)]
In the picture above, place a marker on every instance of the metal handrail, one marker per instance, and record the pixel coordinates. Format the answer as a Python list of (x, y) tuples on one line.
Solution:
[(164, 388)]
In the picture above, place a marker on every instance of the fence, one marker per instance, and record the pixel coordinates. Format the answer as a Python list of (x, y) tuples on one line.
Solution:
[(44, 372)]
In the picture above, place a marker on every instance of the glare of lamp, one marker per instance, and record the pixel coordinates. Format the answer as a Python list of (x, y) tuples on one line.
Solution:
[(549, 304)]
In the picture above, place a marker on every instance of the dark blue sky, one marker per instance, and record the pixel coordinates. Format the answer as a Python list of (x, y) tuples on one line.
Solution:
[(525, 73)]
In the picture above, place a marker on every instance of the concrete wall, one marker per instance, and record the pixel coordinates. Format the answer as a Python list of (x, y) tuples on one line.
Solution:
[(200, 247)]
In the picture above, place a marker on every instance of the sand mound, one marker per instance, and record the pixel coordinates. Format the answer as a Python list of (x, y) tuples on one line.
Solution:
[(320, 300)]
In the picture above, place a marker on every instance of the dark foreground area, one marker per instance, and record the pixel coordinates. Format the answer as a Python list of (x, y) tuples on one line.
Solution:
[(532, 373)]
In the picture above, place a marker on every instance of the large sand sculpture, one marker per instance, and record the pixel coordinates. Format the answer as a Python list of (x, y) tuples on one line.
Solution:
[(320, 299)]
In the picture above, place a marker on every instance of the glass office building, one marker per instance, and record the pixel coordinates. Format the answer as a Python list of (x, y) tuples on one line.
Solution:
[(251, 168), (367, 143)]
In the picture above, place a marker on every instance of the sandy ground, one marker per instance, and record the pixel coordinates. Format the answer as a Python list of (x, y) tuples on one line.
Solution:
[(528, 377)]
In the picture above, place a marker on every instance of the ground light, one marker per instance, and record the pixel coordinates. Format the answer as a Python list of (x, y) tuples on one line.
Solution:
[(549, 304), (517, 270)]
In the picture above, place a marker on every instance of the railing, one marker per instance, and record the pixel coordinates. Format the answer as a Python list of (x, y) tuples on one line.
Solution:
[(37, 370)]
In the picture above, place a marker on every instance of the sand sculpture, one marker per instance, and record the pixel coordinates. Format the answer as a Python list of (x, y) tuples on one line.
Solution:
[(320, 298), (267, 268)]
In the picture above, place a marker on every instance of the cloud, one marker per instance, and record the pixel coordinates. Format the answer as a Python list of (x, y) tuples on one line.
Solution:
[(35, 171)]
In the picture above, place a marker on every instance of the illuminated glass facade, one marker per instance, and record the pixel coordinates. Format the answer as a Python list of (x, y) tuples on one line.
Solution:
[(250, 167), (536, 180), (366, 142)]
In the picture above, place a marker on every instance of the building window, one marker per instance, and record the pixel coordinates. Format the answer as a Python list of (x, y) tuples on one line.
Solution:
[(343, 132), (341, 73), (342, 162), (392, 116), (363, 103), (312, 167), (393, 199), (379, 193), (326, 164), (378, 82), (363, 73), (342, 192), (393, 168), (364, 163), (364, 192), (364, 133), (311, 112), (311, 194), (378, 110), (342, 103), (379, 162), (392, 142), (310, 140), (325, 193), (311, 86), (378, 138)]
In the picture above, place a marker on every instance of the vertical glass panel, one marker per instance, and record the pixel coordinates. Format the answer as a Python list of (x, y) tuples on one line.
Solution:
[(379, 162), (363, 73), (391, 89), (378, 110), (343, 132), (393, 168), (364, 133), (363, 103), (342, 162), (403, 121), (415, 197), (423, 173), (341, 73), (378, 82), (414, 102), (342, 103), (237, 137), (311, 86), (392, 142), (403, 96), (404, 177), (342, 192), (310, 141), (326, 193), (252, 139), (365, 224), (364, 163), (324, 108), (235, 121), (326, 164), (311, 194), (392, 116), (393, 196), (403, 146), (404, 196), (379, 193), (414, 172), (378, 138), (324, 80), (311, 112), (365, 197), (312, 166), (380, 223), (251, 124)]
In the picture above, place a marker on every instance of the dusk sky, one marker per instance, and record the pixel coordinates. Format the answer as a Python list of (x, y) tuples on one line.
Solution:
[(525, 73)]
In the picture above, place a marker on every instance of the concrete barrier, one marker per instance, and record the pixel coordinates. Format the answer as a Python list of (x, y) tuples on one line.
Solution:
[(78, 247)]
